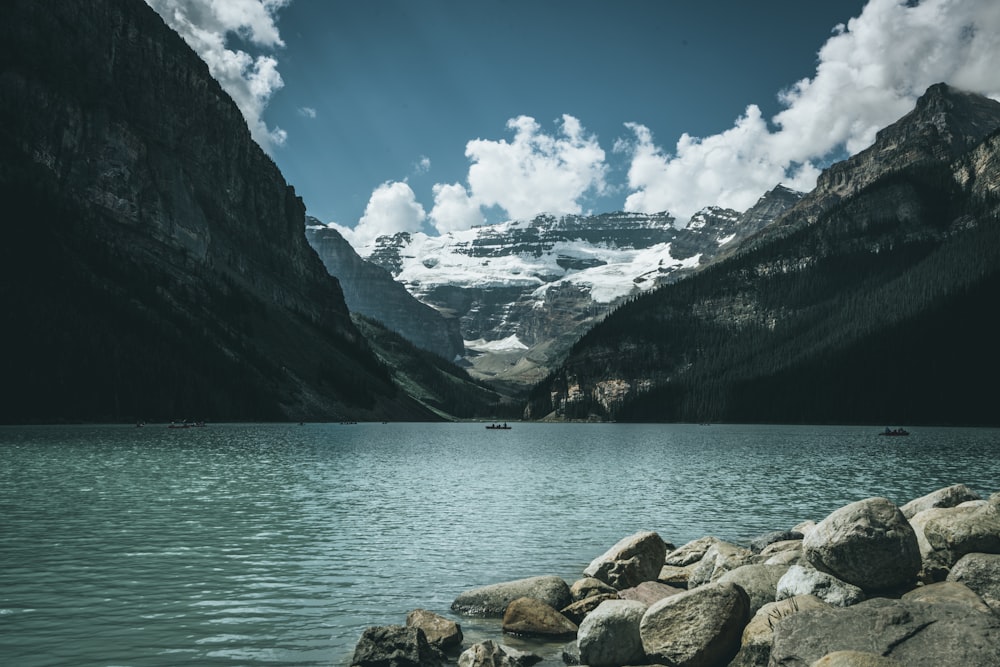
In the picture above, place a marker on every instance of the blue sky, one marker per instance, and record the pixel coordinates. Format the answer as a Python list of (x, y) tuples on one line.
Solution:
[(392, 115)]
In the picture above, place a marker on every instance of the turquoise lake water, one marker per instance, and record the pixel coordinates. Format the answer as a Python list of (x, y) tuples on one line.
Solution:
[(275, 544)]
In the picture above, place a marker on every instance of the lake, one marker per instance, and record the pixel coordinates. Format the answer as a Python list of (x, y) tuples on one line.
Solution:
[(277, 544)]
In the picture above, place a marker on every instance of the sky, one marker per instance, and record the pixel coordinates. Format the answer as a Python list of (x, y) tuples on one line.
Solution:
[(439, 115)]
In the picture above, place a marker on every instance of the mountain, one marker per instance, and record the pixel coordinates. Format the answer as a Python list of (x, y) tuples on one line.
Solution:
[(371, 291), (154, 264), (523, 291), (868, 301)]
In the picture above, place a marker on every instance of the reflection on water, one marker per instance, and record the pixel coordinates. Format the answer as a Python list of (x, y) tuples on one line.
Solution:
[(277, 544)]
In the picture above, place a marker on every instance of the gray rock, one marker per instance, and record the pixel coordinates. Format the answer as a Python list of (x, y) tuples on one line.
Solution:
[(720, 558), (440, 631), (952, 592), (609, 636), (945, 534), (491, 654), (697, 628), (758, 544), (571, 654), (868, 543), (915, 634), (981, 573), (855, 659), (584, 588), (759, 581), (801, 580), (492, 600), (676, 575), (395, 646), (578, 611), (755, 644), (947, 497), (689, 553), (531, 617), (649, 592), (633, 560)]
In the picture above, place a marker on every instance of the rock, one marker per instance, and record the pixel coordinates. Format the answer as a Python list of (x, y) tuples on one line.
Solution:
[(805, 527), (584, 588), (529, 616), (755, 644), (720, 558), (675, 575), (440, 631), (492, 600), (649, 592), (947, 497), (571, 654), (491, 654), (952, 592), (690, 553), (868, 543), (855, 659), (700, 627), (981, 573), (759, 581), (395, 645), (789, 552), (945, 534), (801, 580), (578, 611), (758, 544), (631, 561), (915, 634), (609, 636)]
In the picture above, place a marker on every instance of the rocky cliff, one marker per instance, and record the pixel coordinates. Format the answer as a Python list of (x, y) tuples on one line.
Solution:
[(866, 304), (154, 264), (371, 291)]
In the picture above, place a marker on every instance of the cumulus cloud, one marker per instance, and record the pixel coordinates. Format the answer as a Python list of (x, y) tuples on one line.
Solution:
[(534, 173), (250, 81), (392, 208), (869, 73)]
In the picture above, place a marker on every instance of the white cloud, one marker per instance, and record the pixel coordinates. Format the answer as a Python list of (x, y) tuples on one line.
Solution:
[(308, 112), (869, 73), (536, 172), (423, 165), (454, 209), (250, 81), (392, 208)]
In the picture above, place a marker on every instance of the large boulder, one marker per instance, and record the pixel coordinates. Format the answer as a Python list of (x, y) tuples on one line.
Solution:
[(491, 654), (440, 631), (868, 543), (945, 534), (949, 496), (577, 611), (759, 581), (588, 586), (633, 560), (649, 592), (981, 573), (755, 644), (915, 634), (720, 558), (609, 636), (531, 617), (758, 544), (697, 628), (492, 600), (395, 646), (951, 592), (800, 580), (676, 575), (690, 553)]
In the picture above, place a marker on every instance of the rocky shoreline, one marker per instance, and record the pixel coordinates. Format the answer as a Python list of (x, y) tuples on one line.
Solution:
[(871, 585)]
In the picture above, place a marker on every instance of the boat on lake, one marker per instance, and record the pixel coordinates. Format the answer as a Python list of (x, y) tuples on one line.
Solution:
[(498, 427), (894, 431)]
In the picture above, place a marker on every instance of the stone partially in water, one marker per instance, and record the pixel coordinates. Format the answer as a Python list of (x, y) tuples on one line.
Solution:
[(633, 560), (492, 600)]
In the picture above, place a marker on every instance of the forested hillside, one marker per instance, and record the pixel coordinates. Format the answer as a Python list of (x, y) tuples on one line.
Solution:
[(881, 311)]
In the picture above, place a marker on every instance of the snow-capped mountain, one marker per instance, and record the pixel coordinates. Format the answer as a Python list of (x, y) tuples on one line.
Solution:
[(525, 290)]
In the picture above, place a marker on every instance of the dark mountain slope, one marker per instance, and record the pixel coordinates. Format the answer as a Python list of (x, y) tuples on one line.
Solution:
[(153, 263), (878, 311)]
